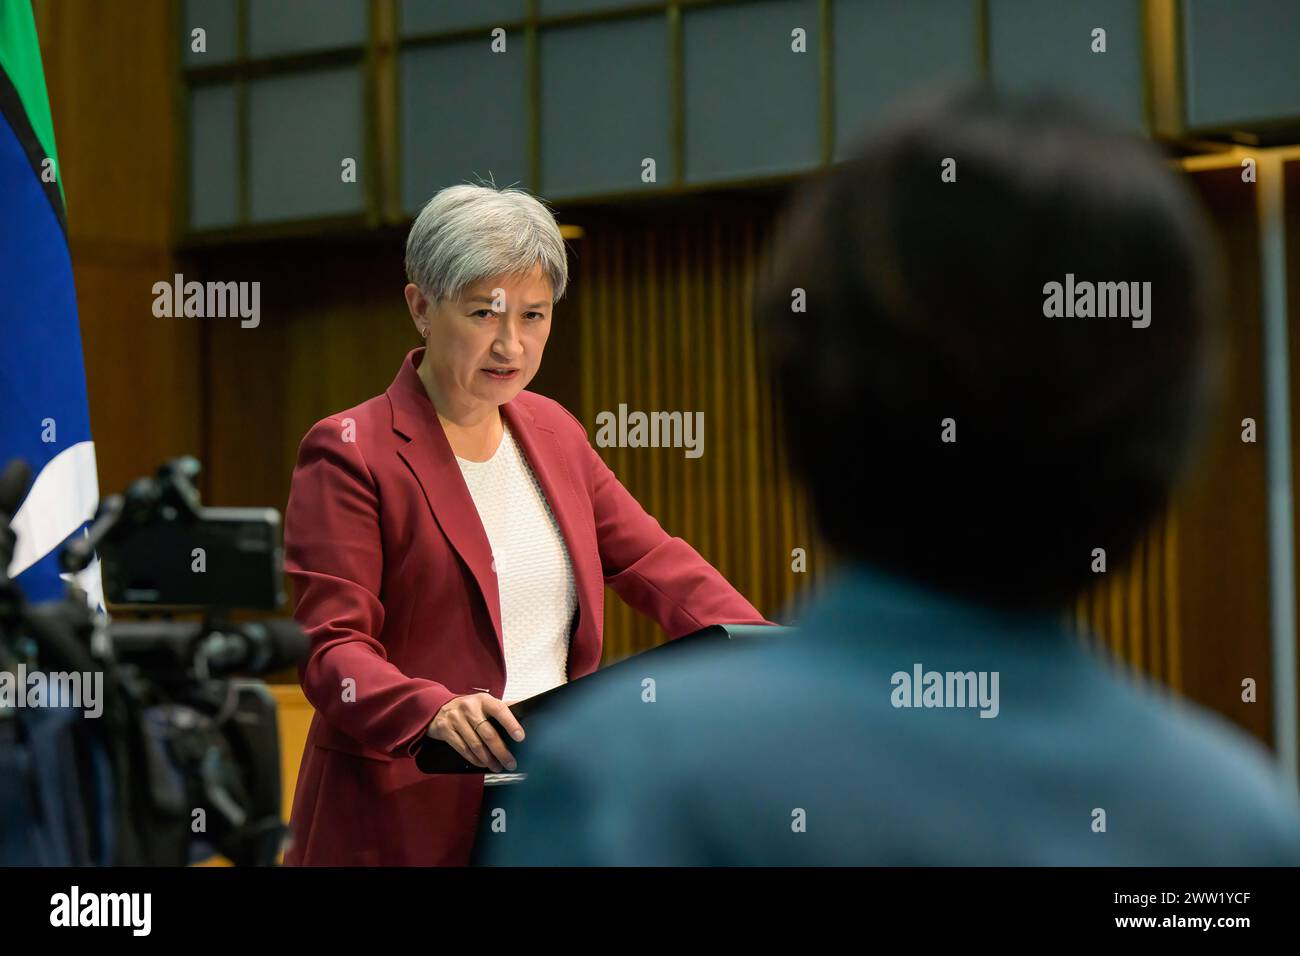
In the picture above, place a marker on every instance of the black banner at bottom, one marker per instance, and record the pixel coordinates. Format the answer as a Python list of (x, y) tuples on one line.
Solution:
[(383, 906)]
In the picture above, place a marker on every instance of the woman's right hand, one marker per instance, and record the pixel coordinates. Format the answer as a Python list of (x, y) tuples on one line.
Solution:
[(462, 723)]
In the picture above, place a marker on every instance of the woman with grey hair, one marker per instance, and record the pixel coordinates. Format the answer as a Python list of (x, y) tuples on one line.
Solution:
[(449, 542)]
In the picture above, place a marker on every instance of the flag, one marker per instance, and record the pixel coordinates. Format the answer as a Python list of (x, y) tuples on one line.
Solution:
[(44, 417)]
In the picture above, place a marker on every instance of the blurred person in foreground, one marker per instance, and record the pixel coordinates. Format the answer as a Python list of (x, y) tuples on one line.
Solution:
[(450, 541), (966, 453)]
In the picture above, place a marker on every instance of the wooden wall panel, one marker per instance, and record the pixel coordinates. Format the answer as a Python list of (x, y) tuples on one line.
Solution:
[(111, 86), (1223, 517), (1192, 608), (1134, 612), (666, 311)]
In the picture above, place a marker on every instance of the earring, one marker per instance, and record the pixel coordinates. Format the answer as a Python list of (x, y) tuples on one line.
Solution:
[(424, 333)]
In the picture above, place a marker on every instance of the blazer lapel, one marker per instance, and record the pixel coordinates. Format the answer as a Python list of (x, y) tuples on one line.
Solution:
[(429, 456), (554, 474)]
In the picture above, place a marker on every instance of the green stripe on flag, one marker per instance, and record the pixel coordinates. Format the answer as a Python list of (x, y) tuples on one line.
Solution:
[(20, 58)]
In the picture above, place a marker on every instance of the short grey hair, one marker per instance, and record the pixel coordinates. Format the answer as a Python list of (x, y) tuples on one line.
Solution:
[(468, 233)]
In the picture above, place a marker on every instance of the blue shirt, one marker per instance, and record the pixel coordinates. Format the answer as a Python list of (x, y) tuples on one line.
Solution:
[(811, 749)]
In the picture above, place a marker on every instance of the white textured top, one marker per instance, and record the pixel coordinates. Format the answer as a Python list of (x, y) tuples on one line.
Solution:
[(534, 575)]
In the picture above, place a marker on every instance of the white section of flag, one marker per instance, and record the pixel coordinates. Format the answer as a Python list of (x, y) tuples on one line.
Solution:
[(64, 496)]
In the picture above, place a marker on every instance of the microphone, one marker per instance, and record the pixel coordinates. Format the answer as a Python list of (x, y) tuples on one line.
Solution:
[(252, 648), (258, 647)]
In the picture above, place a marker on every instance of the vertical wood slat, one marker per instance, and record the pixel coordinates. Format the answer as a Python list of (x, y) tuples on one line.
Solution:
[(1136, 606), (667, 325), (1133, 610), (1174, 669)]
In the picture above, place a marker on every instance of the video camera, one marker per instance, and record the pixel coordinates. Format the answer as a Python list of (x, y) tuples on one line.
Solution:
[(131, 742)]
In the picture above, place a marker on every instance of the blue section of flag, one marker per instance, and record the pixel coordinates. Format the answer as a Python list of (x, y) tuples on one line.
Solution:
[(42, 375)]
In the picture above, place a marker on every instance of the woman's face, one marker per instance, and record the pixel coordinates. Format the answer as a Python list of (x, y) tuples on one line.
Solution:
[(486, 347)]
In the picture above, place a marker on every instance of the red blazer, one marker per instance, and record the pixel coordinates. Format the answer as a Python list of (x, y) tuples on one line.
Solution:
[(393, 577)]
